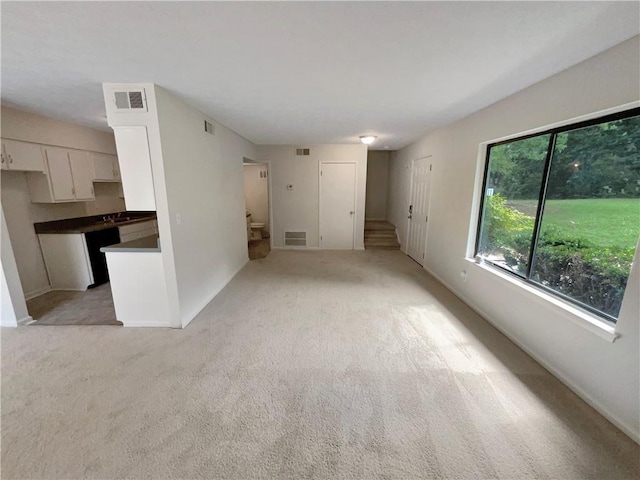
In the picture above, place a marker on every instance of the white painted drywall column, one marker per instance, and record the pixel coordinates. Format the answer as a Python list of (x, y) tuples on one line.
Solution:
[(149, 119), (13, 308)]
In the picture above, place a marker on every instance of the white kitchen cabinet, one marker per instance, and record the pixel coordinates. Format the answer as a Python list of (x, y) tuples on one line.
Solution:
[(138, 230), (66, 258), (134, 157), (67, 177), (82, 175), (21, 156), (105, 167)]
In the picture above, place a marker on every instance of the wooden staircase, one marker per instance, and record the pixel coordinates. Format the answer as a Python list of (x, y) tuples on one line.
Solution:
[(380, 235)]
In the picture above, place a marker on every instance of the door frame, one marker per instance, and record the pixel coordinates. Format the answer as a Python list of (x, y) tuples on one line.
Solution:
[(248, 161), (355, 197), (408, 204)]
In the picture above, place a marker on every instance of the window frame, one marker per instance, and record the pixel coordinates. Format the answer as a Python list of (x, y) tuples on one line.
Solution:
[(553, 132)]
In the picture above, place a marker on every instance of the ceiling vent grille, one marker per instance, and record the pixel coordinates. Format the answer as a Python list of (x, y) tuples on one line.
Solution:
[(133, 100), (295, 239), (302, 151)]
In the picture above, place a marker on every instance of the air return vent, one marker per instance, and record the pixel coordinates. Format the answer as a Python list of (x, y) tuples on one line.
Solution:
[(295, 239), (133, 100), (302, 151)]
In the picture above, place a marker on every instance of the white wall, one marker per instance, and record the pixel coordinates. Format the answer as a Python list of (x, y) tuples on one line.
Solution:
[(21, 214), (30, 127), (204, 183), (256, 193), (377, 181), (298, 209), (605, 374), (13, 308)]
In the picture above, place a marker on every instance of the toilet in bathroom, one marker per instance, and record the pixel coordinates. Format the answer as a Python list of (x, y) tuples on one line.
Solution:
[(257, 230)]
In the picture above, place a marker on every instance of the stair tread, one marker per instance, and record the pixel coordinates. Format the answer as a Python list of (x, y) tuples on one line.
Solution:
[(382, 242), (382, 247), (373, 225)]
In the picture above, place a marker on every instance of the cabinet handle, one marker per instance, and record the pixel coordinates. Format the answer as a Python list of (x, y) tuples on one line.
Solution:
[(10, 159), (2, 158), (73, 190)]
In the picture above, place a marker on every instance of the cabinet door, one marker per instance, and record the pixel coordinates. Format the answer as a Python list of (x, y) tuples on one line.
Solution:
[(82, 174), (60, 177), (116, 168), (135, 160), (22, 156), (4, 159), (104, 167)]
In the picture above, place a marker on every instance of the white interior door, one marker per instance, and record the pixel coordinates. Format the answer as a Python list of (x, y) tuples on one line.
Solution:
[(419, 209), (337, 205)]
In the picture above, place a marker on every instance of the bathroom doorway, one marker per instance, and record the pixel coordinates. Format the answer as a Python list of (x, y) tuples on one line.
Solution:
[(256, 197)]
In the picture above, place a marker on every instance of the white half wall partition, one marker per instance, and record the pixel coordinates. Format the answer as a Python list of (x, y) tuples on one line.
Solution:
[(198, 192), (295, 188), (605, 374)]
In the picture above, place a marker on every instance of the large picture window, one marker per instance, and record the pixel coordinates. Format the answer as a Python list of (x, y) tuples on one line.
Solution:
[(561, 209)]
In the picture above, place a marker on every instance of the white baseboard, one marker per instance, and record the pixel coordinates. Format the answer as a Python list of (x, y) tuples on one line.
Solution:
[(634, 435), (146, 324), (37, 293), (26, 321), (215, 292)]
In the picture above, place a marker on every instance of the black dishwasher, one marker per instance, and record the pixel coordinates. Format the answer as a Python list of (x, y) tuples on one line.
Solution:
[(95, 241)]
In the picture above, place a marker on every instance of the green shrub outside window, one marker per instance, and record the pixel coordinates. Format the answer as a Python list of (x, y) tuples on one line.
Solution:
[(561, 210)]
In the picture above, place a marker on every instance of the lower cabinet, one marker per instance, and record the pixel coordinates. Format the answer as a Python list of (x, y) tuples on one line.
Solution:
[(138, 230), (74, 260), (66, 258)]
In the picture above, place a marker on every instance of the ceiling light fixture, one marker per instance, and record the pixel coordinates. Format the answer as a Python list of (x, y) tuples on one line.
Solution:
[(367, 139)]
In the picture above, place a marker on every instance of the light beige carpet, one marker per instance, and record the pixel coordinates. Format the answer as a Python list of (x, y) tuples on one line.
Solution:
[(308, 365)]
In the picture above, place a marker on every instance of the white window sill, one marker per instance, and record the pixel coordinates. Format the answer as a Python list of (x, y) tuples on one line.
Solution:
[(573, 313)]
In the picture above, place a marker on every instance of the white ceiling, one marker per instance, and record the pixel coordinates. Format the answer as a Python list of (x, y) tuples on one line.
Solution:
[(301, 73)]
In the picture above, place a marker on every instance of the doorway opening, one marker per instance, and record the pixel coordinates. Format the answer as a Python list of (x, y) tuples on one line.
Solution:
[(256, 197), (379, 232)]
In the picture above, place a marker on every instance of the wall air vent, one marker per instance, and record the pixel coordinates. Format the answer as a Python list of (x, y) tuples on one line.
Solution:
[(133, 100), (295, 239), (302, 151), (209, 128)]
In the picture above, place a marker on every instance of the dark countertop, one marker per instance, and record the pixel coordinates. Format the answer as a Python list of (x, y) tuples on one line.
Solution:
[(144, 244), (93, 223)]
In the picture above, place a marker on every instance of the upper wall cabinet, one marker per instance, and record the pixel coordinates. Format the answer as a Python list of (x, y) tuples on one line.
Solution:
[(21, 156), (68, 177), (105, 167)]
